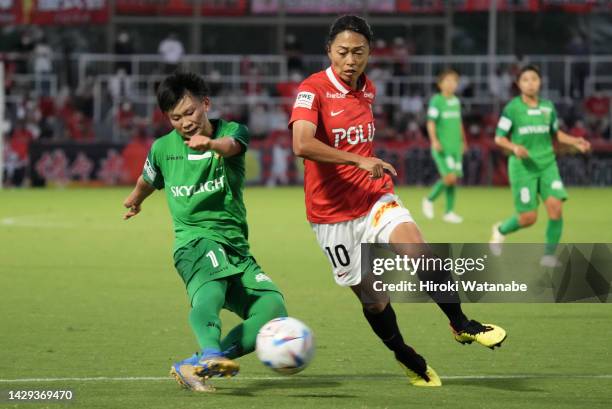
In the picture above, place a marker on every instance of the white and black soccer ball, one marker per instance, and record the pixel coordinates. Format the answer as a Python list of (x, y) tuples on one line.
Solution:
[(285, 345)]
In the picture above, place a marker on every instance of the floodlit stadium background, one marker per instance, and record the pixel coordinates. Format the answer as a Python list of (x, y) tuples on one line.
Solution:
[(80, 78)]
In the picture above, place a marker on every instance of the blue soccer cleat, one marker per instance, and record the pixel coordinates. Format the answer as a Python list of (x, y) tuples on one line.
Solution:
[(193, 372)]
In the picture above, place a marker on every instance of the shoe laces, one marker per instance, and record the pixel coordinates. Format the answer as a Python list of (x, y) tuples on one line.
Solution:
[(475, 328)]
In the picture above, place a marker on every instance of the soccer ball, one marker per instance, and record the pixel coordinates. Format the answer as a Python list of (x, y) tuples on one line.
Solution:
[(285, 345)]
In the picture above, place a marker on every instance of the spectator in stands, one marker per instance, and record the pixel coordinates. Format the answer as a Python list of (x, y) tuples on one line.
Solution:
[(597, 110), (84, 96), (400, 52), (293, 51), (579, 130), (500, 85), (411, 108), (288, 90), (79, 127), (171, 51), (124, 47), (42, 62), (120, 86), (281, 154), (278, 119), (578, 48), (258, 121)]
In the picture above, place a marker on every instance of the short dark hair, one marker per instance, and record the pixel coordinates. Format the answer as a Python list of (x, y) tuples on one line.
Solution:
[(446, 72), (529, 67), (174, 87), (352, 23)]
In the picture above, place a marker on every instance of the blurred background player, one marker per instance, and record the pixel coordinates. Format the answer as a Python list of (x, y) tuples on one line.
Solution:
[(526, 127), (350, 198), (201, 165), (445, 131)]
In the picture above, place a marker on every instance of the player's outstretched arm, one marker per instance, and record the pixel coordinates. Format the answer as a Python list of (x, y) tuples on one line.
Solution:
[(579, 143), (505, 143), (141, 191), (225, 146), (306, 146)]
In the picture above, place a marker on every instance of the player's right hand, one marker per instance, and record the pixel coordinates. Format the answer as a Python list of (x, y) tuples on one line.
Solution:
[(436, 145), (134, 208), (376, 167), (520, 151)]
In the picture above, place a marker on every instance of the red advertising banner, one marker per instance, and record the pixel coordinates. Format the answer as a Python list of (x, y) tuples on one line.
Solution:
[(320, 7), (436, 6), (9, 12), (180, 7), (48, 12)]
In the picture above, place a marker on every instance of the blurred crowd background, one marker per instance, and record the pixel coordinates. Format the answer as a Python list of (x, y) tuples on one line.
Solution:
[(80, 79)]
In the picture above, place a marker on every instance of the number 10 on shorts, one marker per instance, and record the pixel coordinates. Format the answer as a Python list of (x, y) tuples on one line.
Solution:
[(339, 254)]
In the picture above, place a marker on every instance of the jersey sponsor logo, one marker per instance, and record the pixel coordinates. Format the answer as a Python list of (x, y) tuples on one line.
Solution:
[(335, 95), (533, 129), (262, 277), (451, 114), (207, 187), (382, 210), (304, 100), (149, 170), (504, 124), (534, 112), (452, 102), (368, 95), (174, 157), (353, 134), (336, 113), (205, 155)]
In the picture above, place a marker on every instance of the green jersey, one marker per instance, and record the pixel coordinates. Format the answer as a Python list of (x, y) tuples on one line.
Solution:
[(446, 114), (531, 127), (203, 189)]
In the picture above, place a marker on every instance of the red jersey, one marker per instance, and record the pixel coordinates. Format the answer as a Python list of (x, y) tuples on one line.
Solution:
[(344, 120)]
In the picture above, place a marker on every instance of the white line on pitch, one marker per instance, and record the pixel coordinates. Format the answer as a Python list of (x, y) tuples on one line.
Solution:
[(306, 378)]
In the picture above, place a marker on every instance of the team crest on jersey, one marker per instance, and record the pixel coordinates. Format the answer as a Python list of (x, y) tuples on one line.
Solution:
[(304, 100), (368, 95)]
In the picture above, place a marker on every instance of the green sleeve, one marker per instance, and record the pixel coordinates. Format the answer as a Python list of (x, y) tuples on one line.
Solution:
[(554, 121), (240, 133), (433, 111), (504, 126), (151, 172)]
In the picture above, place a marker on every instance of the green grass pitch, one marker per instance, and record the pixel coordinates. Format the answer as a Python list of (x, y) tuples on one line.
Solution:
[(84, 295)]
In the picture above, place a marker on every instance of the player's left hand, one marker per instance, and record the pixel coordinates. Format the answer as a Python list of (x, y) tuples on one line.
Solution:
[(199, 143), (583, 145)]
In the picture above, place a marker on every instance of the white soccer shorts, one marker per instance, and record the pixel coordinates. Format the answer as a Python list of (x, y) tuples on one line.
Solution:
[(341, 242)]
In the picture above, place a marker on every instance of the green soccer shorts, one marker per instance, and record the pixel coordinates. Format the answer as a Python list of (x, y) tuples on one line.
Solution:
[(203, 260), (528, 187), (448, 162)]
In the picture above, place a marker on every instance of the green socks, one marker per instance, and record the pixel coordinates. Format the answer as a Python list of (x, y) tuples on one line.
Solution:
[(204, 315), (510, 225), (241, 340), (450, 198), (436, 190), (553, 235)]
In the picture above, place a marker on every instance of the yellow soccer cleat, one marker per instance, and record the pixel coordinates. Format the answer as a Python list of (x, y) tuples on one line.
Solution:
[(431, 377), (488, 335), (217, 366)]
